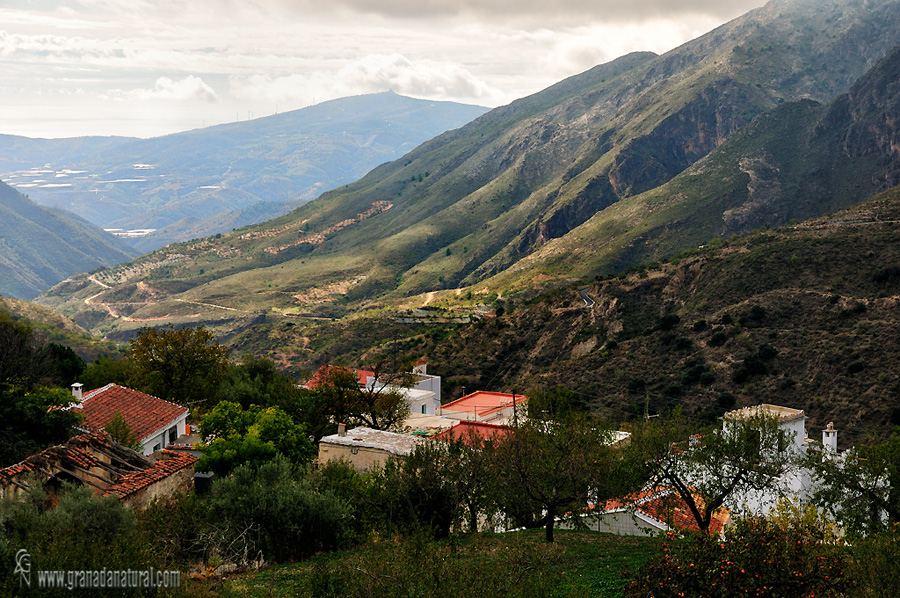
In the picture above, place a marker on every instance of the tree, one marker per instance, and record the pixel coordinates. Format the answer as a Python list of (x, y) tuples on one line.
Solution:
[(257, 381), (31, 419), (791, 555), (106, 370), (31, 414), (380, 404), (750, 454), (184, 365), (861, 488), (120, 432), (236, 436), (546, 469)]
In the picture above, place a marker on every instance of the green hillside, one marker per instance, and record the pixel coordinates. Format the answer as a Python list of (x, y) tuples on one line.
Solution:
[(39, 247), (628, 161)]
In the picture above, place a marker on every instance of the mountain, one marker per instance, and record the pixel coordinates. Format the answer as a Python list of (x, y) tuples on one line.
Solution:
[(803, 315), (193, 183), (574, 181), (39, 246)]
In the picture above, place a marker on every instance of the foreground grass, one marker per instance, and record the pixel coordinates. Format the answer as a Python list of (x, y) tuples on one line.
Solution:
[(515, 564)]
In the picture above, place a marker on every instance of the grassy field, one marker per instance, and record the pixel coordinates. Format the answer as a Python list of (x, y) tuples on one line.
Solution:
[(514, 564)]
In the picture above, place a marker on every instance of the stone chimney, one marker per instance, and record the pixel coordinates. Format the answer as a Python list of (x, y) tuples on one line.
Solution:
[(829, 438), (76, 391), (342, 429)]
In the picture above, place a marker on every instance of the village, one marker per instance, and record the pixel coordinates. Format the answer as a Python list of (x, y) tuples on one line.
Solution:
[(163, 463)]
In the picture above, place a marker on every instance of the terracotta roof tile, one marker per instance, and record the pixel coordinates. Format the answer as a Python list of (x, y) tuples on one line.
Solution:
[(171, 463), (144, 414)]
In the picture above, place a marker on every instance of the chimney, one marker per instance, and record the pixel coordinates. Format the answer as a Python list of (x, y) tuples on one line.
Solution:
[(421, 368), (342, 429), (76, 391), (829, 437)]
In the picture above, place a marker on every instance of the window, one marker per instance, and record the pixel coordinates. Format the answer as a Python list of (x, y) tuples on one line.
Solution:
[(173, 434), (424, 410), (156, 447)]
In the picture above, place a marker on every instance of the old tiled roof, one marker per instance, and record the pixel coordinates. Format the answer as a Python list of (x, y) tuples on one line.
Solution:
[(483, 402), (145, 415), (78, 452), (171, 463)]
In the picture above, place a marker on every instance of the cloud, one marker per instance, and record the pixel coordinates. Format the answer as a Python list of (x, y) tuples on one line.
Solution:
[(188, 88), (510, 10), (373, 73)]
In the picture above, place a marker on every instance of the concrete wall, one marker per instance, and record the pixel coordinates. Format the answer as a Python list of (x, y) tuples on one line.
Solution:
[(621, 523), (361, 458), (166, 487)]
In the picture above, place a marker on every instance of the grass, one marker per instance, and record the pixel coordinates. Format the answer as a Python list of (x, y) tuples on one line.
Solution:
[(515, 564)]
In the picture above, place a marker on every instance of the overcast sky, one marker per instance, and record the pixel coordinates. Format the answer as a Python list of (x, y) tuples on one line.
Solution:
[(151, 67)]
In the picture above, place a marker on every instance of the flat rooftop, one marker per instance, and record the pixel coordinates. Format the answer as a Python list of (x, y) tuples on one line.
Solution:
[(482, 402), (391, 442), (781, 413)]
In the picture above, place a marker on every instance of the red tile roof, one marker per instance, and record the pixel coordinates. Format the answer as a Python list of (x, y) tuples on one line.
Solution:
[(666, 506), (145, 415), (322, 375), (171, 463), (80, 451), (483, 403), (469, 430)]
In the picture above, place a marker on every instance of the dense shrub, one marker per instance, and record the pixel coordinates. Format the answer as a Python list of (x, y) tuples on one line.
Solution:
[(758, 557), (274, 512)]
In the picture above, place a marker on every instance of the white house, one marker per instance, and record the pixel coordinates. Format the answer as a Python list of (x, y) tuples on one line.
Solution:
[(155, 422)]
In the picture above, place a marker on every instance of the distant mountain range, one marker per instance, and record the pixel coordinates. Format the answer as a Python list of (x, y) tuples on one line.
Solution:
[(212, 180), (41, 246), (636, 159)]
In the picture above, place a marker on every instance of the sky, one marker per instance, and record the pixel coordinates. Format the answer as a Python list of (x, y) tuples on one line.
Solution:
[(146, 68)]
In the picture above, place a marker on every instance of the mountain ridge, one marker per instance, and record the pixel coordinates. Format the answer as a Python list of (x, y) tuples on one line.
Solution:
[(490, 207)]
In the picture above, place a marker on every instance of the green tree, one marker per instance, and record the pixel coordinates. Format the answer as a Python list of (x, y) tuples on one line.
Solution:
[(861, 488), (546, 470), (120, 432), (380, 404), (106, 370), (31, 419), (276, 510), (258, 381), (252, 437), (185, 365), (791, 556), (750, 455)]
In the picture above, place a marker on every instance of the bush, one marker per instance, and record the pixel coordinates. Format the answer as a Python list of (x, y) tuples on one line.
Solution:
[(792, 556), (274, 511), (717, 339)]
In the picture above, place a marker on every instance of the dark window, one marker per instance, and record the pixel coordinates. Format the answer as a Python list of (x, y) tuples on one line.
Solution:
[(173, 434)]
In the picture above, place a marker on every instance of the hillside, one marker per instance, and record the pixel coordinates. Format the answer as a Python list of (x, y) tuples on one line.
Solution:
[(577, 165), (53, 327), (215, 179), (39, 247), (804, 315)]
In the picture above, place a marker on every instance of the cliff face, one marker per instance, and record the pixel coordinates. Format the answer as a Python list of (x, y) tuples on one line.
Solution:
[(683, 138)]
